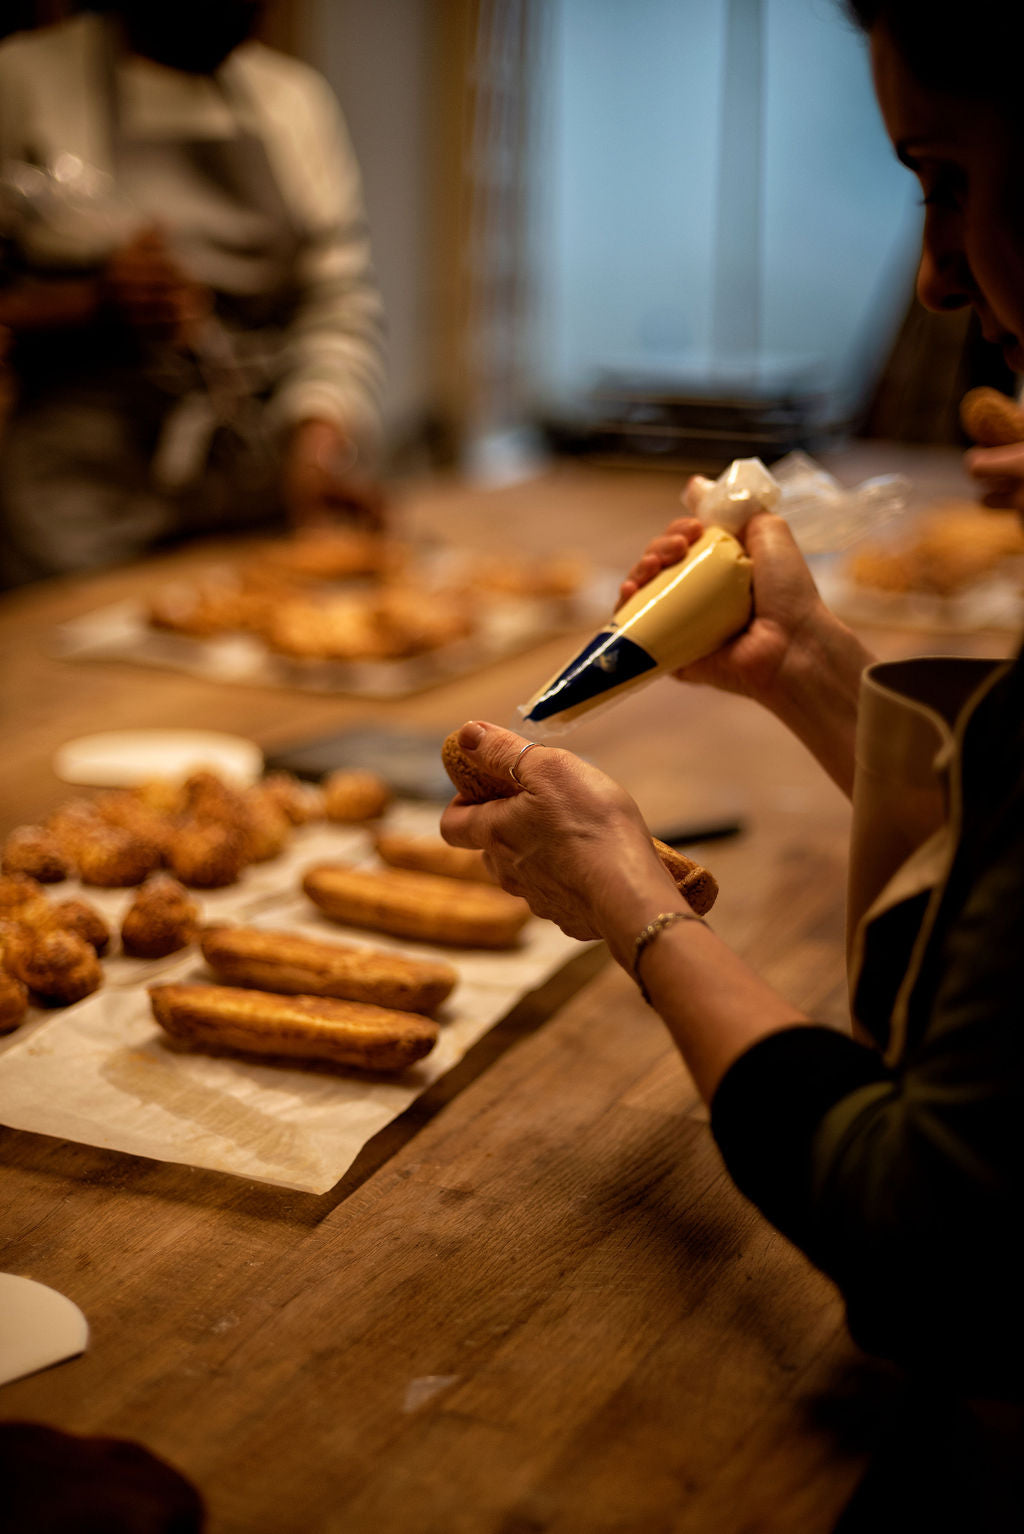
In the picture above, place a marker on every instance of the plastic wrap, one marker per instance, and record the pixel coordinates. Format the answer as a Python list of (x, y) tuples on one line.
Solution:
[(827, 517)]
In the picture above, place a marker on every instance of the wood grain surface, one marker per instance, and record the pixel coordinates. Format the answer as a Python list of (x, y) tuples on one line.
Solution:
[(535, 1303)]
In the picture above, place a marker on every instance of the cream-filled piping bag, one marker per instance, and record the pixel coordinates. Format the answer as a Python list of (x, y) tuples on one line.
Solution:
[(685, 612)]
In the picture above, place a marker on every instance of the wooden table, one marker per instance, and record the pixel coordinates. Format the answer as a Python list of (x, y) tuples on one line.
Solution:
[(536, 1302)]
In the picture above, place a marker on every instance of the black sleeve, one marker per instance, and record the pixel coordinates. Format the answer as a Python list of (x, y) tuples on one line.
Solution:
[(769, 1105), (903, 1186)]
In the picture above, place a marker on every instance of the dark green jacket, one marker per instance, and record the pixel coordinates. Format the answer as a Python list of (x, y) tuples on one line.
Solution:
[(904, 1181)]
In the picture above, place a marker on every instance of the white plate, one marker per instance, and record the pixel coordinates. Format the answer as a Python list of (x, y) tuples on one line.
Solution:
[(119, 758), (38, 1327)]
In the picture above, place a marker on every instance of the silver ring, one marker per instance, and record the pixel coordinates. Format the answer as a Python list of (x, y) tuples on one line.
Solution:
[(519, 756)]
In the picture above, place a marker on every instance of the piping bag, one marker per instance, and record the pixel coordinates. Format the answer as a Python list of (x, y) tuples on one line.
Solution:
[(687, 611)]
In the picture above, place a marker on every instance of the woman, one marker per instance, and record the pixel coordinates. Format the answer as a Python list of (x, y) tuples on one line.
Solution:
[(893, 1157)]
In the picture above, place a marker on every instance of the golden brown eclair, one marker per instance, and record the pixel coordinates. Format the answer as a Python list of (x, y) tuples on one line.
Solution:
[(697, 885), (296, 965), (426, 907), (348, 1033), (431, 855), (990, 418)]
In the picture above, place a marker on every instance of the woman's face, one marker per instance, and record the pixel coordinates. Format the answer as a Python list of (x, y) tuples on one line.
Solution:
[(969, 160)]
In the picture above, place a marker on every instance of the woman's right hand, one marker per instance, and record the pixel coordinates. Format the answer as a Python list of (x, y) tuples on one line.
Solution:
[(787, 615), (794, 656), (786, 600)]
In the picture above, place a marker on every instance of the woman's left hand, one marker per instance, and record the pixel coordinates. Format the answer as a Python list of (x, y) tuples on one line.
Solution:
[(572, 842)]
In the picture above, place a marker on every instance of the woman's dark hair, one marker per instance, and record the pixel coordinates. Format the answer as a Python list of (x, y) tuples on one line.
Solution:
[(967, 50)]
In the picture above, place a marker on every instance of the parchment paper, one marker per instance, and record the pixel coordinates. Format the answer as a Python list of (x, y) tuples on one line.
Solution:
[(103, 1073), (510, 624)]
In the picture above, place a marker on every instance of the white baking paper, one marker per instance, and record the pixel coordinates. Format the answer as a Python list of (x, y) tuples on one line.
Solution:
[(103, 1073)]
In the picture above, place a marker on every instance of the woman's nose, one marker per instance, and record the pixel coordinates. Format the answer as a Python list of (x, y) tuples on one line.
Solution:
[(943, 275)]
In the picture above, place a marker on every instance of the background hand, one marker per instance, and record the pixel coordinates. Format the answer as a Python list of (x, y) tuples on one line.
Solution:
[(1000, 471), (145, 285), (321, 483)]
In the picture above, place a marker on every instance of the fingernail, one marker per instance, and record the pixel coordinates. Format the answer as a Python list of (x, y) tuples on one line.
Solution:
[(471, 735)]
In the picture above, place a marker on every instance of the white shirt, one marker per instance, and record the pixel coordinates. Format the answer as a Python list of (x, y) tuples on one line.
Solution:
[(53, 101)]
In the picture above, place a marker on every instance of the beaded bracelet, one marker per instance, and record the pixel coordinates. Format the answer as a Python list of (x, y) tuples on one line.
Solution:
[(649, 933)]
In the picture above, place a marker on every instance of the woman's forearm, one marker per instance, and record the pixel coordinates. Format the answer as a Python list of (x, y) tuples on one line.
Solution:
[(816, 694), (713, 1004)]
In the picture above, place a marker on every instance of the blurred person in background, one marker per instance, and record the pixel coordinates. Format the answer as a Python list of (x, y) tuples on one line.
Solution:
[(197, 337), (6, 379)]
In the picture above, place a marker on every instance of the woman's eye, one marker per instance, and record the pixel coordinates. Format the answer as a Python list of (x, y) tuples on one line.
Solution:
[(943, 191)]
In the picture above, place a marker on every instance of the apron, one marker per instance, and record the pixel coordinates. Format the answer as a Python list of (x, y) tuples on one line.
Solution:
[(110, 452), (905, 830)]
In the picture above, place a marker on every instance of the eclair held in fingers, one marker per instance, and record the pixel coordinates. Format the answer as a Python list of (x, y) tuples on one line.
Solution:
[(697, 885), (425, 907), (346, 1033), (295, 965), (990, 418)]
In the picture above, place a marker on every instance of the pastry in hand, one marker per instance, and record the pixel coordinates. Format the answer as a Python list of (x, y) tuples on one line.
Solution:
[(696, 884), (991, 419)]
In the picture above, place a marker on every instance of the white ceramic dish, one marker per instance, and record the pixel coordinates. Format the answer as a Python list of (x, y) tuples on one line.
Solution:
[(38, 1327), (120, 758)]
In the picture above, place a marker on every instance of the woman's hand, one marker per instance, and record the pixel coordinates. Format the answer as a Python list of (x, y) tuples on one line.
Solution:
[(1000, 471), (572, 842), (795, 657), (575, 845), (788, 613), (667, 549), (786, 600)]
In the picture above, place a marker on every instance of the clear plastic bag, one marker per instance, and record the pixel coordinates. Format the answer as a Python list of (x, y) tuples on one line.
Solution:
[(827, 517)]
